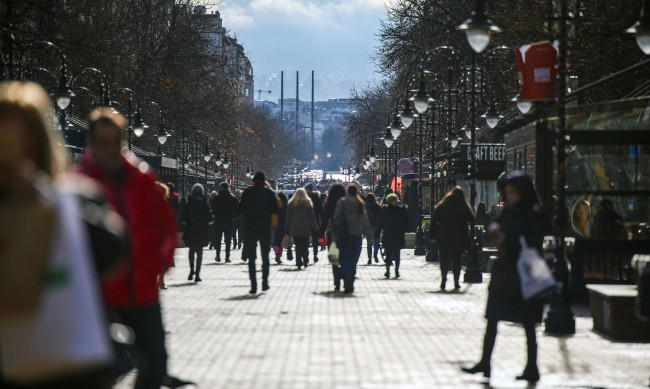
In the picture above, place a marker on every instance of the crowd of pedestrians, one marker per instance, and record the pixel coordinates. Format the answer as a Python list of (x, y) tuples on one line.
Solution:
[(112, 226)]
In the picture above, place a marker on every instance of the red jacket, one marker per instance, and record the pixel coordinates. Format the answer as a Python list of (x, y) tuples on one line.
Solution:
[(151, 232)]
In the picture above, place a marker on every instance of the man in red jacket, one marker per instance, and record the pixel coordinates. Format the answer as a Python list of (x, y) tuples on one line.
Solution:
[(133, 292)]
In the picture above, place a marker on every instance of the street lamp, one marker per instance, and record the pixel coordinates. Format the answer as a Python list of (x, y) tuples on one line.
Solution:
[(642, 29), (218, 159), (421, 99), (492, 116), (372, 157), (523, 105), (453, 140), (388, 138), (135, 126), (407, 116), (478, 28), (226, 163), (396, 127)]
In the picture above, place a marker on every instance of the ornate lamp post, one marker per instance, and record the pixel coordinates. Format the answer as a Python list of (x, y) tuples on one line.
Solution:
[(135, 124)]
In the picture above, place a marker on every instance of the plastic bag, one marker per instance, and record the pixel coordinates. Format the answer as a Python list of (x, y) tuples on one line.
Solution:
[(333, 254), (535, 276)]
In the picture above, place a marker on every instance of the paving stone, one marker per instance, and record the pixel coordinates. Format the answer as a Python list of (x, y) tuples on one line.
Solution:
[(402, 333)]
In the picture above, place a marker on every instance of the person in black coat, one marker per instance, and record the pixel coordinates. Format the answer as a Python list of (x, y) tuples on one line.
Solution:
[(258, 205), (197, 219), (450, 230), (318, 212), (224, 208), (374, 212), (522, 216), (394, 222), (336, 193)]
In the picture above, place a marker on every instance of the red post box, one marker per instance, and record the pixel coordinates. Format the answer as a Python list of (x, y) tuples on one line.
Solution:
[(536, 63)]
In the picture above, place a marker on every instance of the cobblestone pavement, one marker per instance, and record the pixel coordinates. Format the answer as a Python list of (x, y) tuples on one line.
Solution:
[(391, 334)]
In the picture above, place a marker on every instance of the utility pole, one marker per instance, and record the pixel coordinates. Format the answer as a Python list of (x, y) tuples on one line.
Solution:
[(297, 105), (282, 99), (312, 115)]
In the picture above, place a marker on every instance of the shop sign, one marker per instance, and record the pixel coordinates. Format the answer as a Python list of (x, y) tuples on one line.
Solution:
[(484, 152), (406, 166)]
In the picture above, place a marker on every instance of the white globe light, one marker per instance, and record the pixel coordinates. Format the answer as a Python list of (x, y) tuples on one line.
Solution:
[(478, 39), (524, 106), (388, 142), (138, 131), (63, 101)]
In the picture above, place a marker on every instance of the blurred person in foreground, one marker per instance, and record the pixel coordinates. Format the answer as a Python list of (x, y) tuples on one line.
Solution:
[(133, 293), (521, 217), (58, 235), (258, 205)]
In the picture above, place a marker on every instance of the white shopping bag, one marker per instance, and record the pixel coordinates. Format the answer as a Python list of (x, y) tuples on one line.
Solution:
[(333, 254), (67, 333), (535, 276)]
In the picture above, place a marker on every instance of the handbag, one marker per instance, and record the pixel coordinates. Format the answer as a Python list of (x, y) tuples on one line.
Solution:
[(286, 242), (534, 275), (67, 333), (333, 255)]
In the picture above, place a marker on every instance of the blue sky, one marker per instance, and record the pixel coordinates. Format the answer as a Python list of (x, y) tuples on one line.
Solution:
[(335, 38)]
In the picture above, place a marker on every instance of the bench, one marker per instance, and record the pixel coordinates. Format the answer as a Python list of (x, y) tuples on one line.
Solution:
[(612, 309)]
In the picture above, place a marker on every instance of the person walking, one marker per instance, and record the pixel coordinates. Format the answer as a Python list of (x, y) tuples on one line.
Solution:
[(482, 216), (521, 217), (300, 225), (197, 220), (224, 208), (450, 231), (237, 236), (374, 212), (280, 230), (318, 212), (393, 224), (133, 292), (336, 193), (258, 205), (350, 224)]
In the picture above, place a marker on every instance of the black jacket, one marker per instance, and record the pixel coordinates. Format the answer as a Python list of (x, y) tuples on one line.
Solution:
[(197, 219), (450, 226), (318, 206), (394, 222), (224, 208), (257, 205)]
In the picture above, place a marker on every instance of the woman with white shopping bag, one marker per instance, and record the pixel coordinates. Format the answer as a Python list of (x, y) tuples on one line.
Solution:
[(522, 220), (53, 331)]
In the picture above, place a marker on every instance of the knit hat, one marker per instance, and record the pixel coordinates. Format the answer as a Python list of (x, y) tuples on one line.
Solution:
[(391, 197), (197, 190), (259, 177), (309, 187)]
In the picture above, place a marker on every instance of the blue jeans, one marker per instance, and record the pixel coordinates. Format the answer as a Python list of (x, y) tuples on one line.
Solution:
[(350, 248), (374, 246)]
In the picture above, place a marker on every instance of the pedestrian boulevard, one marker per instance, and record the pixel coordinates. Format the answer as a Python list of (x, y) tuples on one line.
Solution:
[(402, 333)]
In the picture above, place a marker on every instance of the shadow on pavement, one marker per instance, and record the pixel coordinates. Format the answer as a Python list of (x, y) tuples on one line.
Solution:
[(292, 269), (333, 294), (181, 285), (243, 297)]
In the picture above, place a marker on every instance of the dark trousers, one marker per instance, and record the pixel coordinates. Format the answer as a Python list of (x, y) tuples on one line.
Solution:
[(450, 259), (265, 247), (315, 242), (198, 252), (236, 233), (225, 231), (150, 354), (491, 336), (392, 257), (371, 247), (302, 250), (350, 249)]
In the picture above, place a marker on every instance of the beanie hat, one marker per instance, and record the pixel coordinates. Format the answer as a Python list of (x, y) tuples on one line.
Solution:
[(391, 197), (259, 177)]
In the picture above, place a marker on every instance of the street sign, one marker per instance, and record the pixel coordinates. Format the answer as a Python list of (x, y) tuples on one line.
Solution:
[(485, 152), (406, 166), (374, 165)]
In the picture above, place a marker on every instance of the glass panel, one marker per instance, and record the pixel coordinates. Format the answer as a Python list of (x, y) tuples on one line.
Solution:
[(609, 217), (598, 168)]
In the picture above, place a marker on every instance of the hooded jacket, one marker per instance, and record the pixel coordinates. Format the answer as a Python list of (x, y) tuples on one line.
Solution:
[(151, 231)]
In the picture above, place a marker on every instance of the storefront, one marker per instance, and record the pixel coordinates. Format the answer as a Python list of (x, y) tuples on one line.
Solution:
[(490, 163)]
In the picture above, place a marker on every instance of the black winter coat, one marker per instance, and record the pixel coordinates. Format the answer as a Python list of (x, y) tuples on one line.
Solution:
[(394, 222), (374, 214), (257, 205), (197, 219), (224, 209), (504, 293), (318, 206), (450, 226)]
